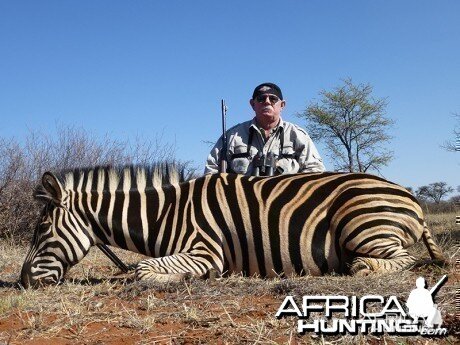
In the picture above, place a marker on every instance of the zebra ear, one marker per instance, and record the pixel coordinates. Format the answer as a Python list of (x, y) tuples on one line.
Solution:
[(52, 188)]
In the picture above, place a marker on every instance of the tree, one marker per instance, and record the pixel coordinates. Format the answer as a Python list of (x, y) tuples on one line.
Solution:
[(410, 190), (454, 144), (434, 191), (455, 200), (353, 126)]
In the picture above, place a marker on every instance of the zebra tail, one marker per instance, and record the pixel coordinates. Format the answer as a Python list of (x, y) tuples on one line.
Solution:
[(434, 250)]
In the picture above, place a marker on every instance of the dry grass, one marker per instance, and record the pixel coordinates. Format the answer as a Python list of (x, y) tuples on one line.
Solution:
[(97, 305)]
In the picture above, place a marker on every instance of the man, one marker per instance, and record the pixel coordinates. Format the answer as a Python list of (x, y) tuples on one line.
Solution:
[(420, 302), (266, 144)]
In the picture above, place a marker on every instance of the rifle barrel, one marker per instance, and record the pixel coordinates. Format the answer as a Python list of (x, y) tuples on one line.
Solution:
[(438, 284), (223, 159), (115, 259)]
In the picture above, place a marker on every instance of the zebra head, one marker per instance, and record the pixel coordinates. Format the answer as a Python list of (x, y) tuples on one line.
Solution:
[(59, 240)]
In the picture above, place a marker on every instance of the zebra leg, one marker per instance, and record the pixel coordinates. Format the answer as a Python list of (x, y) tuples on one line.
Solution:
[(173, 268), (363, 266)]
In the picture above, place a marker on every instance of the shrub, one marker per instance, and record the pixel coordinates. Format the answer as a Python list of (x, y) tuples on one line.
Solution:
[(22, 165)]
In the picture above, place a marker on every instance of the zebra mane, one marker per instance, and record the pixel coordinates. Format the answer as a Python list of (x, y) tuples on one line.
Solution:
[(157, 175)]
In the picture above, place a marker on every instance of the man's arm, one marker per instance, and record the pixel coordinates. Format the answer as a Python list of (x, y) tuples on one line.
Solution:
[(213, 161), (309, 157)]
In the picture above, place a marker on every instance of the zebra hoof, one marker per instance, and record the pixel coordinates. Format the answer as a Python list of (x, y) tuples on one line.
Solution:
[(161, 277)]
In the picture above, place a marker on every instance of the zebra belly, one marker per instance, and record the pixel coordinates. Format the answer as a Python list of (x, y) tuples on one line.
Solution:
[(267, 253)]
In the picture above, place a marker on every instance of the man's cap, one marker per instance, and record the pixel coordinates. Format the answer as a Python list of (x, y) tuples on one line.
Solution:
[(267, 88)]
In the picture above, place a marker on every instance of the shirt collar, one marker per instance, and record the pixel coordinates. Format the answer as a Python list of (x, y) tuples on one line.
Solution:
[(280, 125)]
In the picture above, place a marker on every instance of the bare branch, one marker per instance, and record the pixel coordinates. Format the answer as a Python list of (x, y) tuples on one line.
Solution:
[(454, 144), (22, 165)]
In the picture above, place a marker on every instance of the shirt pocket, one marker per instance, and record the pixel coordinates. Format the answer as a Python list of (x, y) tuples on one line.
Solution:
[(288, 150), (240, 149), (240, 160)]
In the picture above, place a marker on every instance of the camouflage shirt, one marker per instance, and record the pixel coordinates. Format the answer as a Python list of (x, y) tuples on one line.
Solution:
[(291, 146)]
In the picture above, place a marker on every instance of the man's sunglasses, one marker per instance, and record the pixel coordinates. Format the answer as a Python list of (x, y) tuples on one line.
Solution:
[(273, 99)]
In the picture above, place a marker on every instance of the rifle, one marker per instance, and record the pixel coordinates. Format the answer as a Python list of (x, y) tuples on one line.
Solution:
[(223, 169), (115, 259), (438, 285), (223, 153)]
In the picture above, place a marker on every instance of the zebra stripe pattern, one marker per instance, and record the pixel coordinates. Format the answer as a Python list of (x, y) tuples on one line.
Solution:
[(267, 226)]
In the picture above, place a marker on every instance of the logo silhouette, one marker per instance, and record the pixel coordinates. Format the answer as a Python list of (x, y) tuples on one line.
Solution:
[(421, 305)]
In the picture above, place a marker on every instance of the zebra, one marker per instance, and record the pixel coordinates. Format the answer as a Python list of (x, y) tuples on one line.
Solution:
[(315, 223)]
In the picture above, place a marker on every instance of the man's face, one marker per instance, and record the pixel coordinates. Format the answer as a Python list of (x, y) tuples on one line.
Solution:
[(267, 107)]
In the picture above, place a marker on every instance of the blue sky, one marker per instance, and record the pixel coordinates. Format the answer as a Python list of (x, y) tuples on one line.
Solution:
[(141, 68)]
